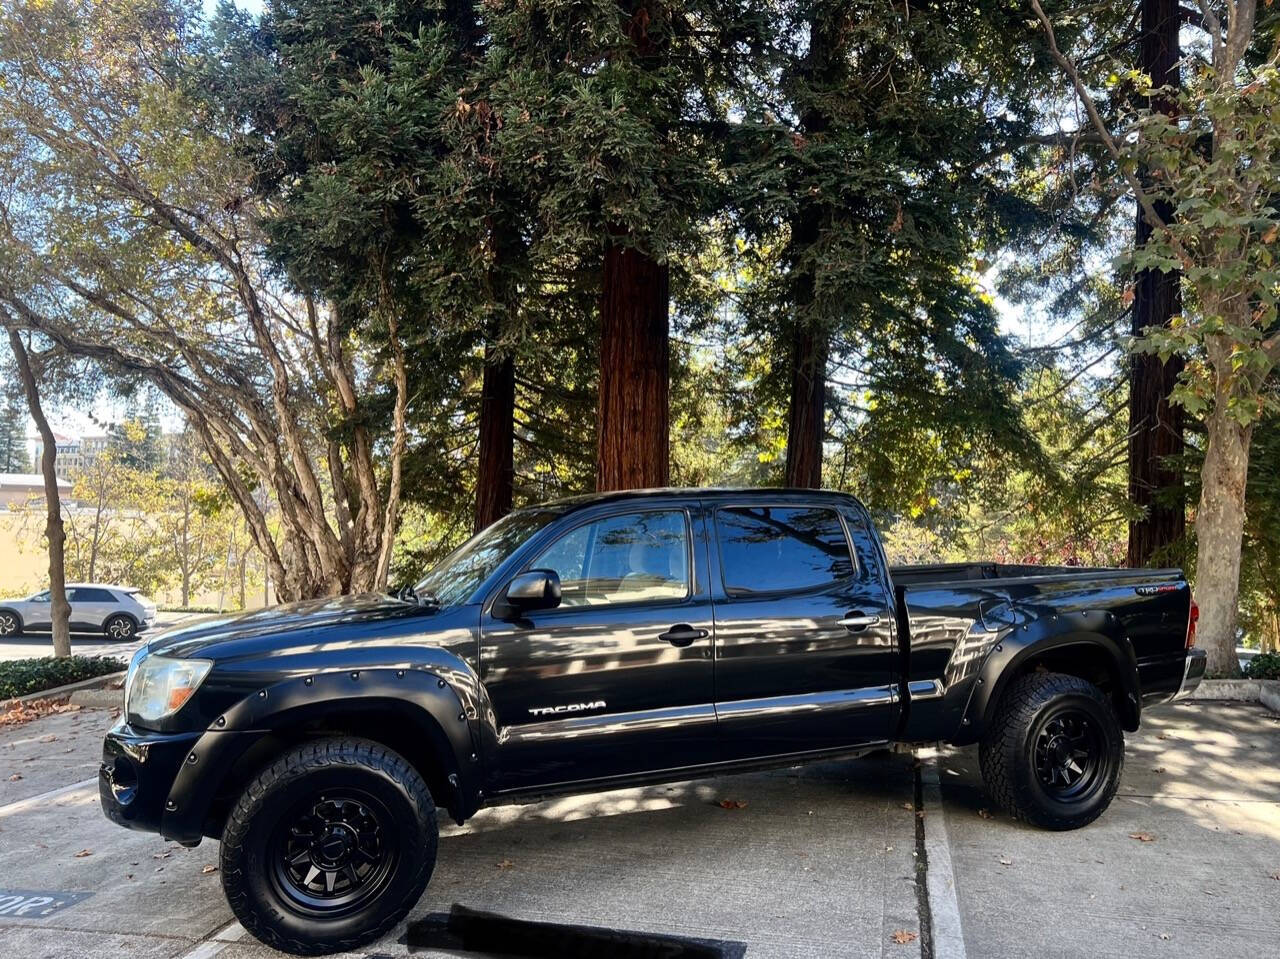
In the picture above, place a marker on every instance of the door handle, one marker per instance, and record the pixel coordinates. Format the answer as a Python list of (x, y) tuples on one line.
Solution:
[(682, 635), (859, 621)]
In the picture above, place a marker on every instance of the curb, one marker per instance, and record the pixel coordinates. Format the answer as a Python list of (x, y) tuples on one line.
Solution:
[(94, 683), (1264, 691)]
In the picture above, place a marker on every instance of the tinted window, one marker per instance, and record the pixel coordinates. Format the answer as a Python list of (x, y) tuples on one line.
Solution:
[(622, 559), (766, 549), (83, 594)]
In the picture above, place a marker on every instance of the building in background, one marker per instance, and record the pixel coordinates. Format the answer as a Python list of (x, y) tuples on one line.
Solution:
[(27, 489)]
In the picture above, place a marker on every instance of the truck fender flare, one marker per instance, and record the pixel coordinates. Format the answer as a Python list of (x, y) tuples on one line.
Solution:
[(417, 695), (1016, 646)]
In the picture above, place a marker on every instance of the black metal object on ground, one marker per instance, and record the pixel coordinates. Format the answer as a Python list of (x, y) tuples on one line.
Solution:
[(486, 933)]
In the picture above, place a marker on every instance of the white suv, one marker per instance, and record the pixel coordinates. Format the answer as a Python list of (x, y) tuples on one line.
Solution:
[(117, 611)]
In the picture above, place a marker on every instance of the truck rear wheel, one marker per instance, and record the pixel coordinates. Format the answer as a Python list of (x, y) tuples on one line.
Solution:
[(329, 847), (1053, 754)]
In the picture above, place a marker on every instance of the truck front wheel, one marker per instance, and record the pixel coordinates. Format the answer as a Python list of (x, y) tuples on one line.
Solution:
[(1053, 754), (329, 847)]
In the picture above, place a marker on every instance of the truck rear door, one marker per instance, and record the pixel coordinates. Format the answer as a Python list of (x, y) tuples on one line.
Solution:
[(804, 632)]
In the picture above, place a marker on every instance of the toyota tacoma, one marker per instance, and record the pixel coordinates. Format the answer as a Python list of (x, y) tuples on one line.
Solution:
[(616, 640)]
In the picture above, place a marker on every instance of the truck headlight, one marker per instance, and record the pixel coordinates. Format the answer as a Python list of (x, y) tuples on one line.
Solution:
[(157, 687)]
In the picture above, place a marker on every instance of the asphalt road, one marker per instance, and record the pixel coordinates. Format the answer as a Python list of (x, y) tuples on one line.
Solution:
[(85, 644), (819, 862)]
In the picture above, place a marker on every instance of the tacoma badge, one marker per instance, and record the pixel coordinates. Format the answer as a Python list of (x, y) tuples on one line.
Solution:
[(567, 708)]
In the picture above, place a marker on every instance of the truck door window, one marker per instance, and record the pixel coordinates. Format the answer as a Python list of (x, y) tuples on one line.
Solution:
[(767, 549), (629, 558)]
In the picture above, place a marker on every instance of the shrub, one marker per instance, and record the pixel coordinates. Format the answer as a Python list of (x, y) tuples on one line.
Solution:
[(1264, 666), (18, 677)]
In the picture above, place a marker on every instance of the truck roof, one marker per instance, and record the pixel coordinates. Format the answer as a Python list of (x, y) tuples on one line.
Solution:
[(703, 492)]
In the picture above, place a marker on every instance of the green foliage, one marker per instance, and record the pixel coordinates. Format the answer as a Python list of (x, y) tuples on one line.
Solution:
[(20, 677), (1224, 237), (14, 455), (1263, 666)]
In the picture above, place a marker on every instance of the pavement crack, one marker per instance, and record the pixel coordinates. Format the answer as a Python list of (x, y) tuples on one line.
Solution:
[(922, 871)]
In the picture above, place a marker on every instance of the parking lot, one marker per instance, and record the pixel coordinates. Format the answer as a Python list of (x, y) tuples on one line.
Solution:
[(820, 861)]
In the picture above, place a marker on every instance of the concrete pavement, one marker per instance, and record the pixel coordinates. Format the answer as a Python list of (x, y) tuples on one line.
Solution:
[(1201, 792), (821, 861)]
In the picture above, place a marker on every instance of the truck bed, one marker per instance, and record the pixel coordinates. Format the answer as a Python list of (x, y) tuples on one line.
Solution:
[(928, 574)]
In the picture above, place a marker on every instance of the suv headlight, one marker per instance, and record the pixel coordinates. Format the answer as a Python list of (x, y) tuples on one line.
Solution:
[(157, 687)]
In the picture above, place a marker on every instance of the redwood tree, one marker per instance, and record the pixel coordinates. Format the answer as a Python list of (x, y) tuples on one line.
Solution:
[(1156, 424)]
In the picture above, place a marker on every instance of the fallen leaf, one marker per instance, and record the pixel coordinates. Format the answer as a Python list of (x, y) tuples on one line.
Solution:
[(1158, 769), (1005, 861), (985, 814), (902, 937), (208, 869), (15, 777), (1275, 875), (506, 864), (161, 855), (84, 852), (1142, 836), (51, 738), (733, 804), (1165, 935)]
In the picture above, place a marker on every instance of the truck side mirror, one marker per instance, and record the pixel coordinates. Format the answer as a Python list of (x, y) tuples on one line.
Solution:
[(533, 589)]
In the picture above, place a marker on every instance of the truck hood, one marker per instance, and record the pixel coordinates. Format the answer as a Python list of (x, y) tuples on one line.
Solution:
[(278, 625)]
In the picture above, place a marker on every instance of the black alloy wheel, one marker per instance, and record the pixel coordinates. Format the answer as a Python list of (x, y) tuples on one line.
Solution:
[(335, 852), (1067, 754), (120, 627)]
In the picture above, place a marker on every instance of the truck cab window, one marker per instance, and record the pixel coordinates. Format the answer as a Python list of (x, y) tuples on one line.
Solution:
[(765, 549), (633, 557)]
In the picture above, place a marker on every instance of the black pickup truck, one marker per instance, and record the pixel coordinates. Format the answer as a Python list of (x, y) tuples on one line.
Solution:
[(615, 640)]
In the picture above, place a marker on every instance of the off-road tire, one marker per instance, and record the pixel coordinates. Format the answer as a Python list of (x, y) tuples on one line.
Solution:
[(1007, 750), (306, 770)]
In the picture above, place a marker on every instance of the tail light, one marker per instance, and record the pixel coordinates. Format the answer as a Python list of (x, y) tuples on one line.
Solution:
[(1193, 617)]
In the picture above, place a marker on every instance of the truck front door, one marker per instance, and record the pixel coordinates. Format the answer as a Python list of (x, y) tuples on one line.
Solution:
[(618, 679), (805, 636)]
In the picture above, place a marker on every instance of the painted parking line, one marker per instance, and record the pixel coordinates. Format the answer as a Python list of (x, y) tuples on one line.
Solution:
[(944, 910), (32, 802)]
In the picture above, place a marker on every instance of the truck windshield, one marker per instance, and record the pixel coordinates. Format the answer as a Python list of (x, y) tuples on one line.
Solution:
[(458, 575)]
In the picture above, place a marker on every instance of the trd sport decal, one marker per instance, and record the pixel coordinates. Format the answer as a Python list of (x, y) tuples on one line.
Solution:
[(567, 708)]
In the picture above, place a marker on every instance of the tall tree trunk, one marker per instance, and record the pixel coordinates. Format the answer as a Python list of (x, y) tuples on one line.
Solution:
[(1155, 425), (495, 472), (59, 608), (806, 422), (633, 440), (810, 345), (1219, 533)]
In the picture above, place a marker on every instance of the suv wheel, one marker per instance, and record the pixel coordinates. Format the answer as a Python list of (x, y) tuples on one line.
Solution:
[(10, 624), (120, 627), (1053, 754), (329, 847)]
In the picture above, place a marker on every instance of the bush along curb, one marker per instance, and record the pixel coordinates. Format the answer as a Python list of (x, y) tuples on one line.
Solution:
[(64, 692), (1265, 691)]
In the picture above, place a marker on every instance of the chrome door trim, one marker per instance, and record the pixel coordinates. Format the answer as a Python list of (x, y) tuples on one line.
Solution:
[(832, 700)]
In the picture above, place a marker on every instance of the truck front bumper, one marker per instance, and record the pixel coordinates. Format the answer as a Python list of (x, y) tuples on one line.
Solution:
[(137, 772), (1192, 673)]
